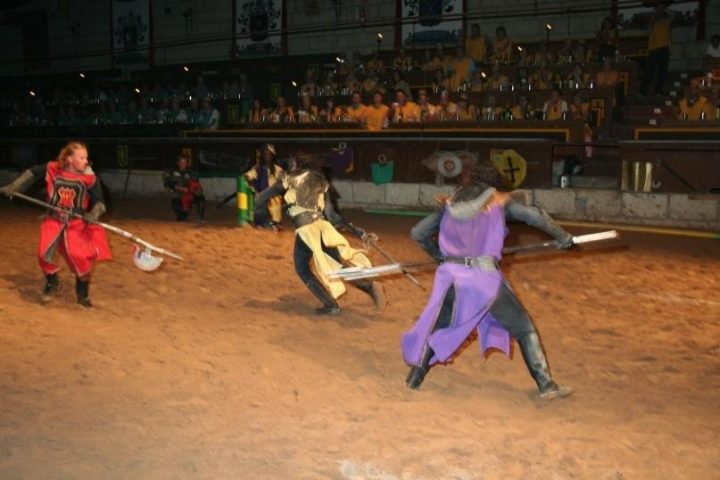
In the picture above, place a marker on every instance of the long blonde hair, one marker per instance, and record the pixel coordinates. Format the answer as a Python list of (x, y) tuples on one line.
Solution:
[(68, 150)]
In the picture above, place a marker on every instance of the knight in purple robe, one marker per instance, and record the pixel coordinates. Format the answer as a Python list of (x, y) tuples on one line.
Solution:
[(469, 293)]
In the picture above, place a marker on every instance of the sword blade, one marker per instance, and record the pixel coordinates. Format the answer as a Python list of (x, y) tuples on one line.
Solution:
[(392, 260)]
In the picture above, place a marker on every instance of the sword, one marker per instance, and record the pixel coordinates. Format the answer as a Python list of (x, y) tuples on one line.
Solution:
[(577, 240), (106, 226), (372, 241), (359, 273)]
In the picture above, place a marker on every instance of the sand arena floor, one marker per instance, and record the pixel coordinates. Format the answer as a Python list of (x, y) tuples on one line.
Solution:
[(216, 368)]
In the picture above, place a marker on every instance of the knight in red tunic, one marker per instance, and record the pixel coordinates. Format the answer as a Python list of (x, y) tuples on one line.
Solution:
[(72, 187)]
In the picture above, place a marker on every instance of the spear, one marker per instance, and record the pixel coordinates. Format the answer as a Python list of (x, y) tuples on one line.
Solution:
[(106, 226)]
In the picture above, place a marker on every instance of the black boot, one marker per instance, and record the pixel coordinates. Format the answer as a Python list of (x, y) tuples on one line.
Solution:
[(82, 289), (536, 362), (376, 292), (416, 375), (330, 306), (51, 288)]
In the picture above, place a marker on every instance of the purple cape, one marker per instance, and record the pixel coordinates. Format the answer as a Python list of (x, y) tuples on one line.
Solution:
[(475, 290)]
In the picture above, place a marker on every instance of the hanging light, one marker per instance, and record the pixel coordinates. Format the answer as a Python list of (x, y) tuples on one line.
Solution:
[(82, 75), (186, 68)]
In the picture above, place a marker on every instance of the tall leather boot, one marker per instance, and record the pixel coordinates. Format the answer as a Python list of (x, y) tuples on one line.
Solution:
[(82, 289), (52, 285), (376, 292), (536, 363), (416, 375), (330, 306)]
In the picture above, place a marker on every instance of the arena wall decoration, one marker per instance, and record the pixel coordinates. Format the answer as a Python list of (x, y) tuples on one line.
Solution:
[(259, 24), (131, 40), (430, 22)]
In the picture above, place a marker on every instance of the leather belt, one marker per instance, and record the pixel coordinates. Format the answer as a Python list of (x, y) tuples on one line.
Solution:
[(485, 262), (306, 218)]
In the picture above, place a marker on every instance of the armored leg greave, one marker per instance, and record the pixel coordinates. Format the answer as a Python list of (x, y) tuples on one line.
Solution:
[(330, 306), (82, 289), (51, 288)]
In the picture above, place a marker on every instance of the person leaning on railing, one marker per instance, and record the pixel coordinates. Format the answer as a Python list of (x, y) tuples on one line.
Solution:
[(695, 106)]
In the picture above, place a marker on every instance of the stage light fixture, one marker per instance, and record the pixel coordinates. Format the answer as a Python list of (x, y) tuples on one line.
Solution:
[(379, 37), (294, 83), (32, 93), (186, 68), (548, 27), (137, 90), (82, 75)]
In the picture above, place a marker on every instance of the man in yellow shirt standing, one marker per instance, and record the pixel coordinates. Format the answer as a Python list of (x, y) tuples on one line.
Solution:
[(462, 68), (476, 44), (377, 114), (658, 57)]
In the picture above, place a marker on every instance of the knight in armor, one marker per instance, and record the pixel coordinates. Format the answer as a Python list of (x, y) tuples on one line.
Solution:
[(263, 177), (318, 241), (185, 190), (470, 293), (72, 188)]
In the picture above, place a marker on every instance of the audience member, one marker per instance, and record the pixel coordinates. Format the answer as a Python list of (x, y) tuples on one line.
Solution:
[(502, 46), (658, 56), (607, 40), (476, 44), (555, 108), (695, 106), (405, 110), (377, 114)]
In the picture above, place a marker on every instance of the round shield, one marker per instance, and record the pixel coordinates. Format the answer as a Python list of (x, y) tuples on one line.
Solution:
[(144, 260), (448, 164)]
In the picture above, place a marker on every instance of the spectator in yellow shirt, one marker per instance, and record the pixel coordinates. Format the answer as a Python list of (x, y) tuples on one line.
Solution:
[(427, 109), (658, 56), (542, 79), (377, 113), (502, 46), (496, 80), (405, 110), (476, 44), (695, 106), (607, 76), (462, 68), (523, 110), (555, 108), (356, 112)]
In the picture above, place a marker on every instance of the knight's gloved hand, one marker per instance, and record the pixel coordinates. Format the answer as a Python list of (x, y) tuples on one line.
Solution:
[(355, 230), (94, 213), (7, 190), (368, 239), (564, 243)]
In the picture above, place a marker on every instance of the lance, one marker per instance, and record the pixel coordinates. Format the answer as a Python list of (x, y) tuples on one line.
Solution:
[(359, 273), (106, 226)]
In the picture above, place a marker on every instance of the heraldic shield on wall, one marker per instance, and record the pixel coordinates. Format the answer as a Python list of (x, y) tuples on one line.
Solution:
[(259, 25), (511, 165), (131, 39)]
